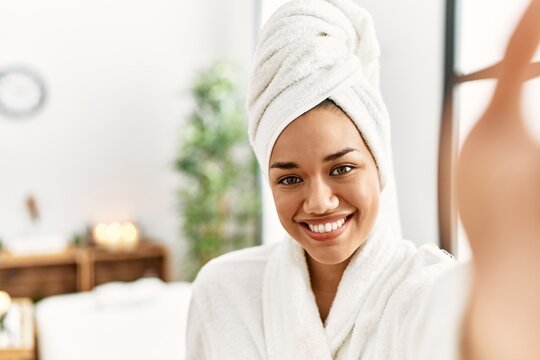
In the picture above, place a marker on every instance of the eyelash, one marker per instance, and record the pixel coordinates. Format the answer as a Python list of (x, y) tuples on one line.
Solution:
[(296, 179), (349, 167), (285, 179)]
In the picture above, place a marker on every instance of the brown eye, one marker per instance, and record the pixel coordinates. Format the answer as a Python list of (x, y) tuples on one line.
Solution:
[(340, 170), (290, 180)]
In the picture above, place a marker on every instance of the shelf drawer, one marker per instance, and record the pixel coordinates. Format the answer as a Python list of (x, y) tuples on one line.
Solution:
[(127, 269), (39, 281)]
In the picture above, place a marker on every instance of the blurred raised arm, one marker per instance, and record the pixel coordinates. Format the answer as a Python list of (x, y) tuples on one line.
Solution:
[(499, 202)]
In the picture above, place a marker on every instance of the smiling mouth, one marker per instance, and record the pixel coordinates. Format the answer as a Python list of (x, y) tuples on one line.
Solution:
[(326, 228)]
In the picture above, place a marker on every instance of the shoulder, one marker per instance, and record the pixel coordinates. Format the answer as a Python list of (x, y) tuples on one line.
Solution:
[(417, 270), (427, 261), (227, 294), (255, 254), (425, 271), (436, 332), (226, 306), (431, 254), (240, 270), (251, 258)]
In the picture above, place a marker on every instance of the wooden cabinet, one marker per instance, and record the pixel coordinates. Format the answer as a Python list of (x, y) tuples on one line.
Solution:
[(79, 269)]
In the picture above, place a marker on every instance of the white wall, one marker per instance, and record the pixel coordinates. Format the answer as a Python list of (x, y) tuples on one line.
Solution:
[(118, 73), (412, 41), (411, 34)]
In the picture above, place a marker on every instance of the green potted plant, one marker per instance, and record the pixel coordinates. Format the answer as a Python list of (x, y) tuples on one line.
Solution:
[(219, 197)]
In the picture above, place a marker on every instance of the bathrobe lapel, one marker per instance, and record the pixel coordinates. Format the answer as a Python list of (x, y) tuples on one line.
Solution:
[(351, 310), (292, 325)]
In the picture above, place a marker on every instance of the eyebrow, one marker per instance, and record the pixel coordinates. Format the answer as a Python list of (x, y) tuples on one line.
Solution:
[(284, 165), (338, 154), (292, 165)]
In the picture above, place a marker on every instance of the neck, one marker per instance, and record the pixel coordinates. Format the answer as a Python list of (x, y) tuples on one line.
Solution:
[(325, 278), (324, 283)]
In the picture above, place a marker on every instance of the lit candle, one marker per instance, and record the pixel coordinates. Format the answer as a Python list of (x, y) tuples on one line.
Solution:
[(100, 234), (130, 236), (117, 236), (114, 232)]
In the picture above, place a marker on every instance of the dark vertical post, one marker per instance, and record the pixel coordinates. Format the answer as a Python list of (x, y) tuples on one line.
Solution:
[(448, 141)]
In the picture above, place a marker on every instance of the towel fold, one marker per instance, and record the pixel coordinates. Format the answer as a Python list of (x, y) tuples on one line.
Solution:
[(311, 50)]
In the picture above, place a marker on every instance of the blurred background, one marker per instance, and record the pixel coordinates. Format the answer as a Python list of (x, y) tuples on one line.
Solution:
[(118, 77), (117, 117)]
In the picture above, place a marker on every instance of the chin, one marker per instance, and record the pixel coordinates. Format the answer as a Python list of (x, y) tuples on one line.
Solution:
[(330, 255)]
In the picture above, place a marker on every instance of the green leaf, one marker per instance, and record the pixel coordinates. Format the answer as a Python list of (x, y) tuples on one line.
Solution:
[(219, 196)]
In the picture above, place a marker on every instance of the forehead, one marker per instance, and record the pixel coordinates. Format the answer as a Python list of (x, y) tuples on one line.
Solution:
[(318, 132)]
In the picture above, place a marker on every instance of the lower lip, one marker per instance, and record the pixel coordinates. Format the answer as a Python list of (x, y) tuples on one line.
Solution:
[(327, 235)]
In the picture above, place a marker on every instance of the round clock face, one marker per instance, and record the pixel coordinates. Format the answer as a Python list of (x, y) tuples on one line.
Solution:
[(22, 92)]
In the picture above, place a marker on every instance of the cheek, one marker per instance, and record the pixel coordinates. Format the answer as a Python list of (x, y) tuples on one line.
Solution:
[(362, 194), (285, 203)]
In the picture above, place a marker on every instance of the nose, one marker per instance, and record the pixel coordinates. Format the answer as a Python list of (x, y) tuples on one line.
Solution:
[(320, 198)]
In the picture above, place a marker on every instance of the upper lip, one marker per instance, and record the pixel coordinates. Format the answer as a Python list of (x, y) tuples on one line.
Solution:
[(324, 220)]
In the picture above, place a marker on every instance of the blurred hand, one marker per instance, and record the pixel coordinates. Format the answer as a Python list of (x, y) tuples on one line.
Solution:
[(499, 201)]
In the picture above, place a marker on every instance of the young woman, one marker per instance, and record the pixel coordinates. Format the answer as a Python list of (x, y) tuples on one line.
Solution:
[(343, 285)]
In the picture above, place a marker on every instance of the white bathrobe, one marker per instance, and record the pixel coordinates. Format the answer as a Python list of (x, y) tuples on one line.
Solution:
[(394, 302)]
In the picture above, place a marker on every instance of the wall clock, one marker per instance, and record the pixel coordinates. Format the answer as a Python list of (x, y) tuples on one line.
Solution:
[(22, 92)]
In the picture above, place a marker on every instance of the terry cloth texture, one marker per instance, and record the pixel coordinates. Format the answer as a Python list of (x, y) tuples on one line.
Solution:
[(311, 50), (394, 302)]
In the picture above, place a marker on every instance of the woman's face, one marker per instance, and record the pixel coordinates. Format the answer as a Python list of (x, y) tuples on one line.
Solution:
[(325, 184)]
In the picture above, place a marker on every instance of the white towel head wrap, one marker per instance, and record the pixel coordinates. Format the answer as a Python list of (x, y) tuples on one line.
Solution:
[(309, 51)]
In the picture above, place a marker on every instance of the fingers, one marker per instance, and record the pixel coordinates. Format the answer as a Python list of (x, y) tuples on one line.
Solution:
[(515, 66), (493, 72), (524, 40)]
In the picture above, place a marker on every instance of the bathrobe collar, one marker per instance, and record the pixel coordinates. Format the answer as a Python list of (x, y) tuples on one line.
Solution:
[(292, 325)]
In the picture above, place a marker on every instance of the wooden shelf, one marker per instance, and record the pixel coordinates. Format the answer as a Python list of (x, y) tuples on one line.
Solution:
[(79, 269)]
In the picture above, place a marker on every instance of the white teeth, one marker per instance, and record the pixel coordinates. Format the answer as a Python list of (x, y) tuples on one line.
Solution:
[(328, 227)]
